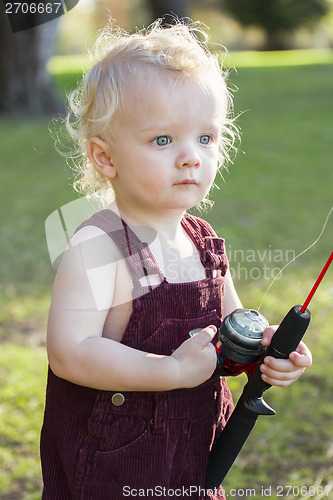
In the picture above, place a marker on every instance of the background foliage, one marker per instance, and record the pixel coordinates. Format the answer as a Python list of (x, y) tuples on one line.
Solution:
[(276, 17)]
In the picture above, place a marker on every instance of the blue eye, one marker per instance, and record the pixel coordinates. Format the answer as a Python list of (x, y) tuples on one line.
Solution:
[(163, 140), (205, 139)]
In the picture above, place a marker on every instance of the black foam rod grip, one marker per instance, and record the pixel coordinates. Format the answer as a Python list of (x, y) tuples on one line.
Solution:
[(228, 446), (289, 334)]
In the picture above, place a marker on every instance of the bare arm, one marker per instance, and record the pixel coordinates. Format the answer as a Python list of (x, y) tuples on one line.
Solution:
[(231, 300), (77, 350)]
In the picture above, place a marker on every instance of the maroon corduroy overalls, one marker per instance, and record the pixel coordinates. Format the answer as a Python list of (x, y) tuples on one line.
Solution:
[(99, 445)]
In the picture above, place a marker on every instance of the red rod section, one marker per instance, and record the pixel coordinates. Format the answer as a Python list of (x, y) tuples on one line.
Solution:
[(317, 283)]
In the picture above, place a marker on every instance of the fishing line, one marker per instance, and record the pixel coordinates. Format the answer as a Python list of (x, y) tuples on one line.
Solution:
[(297, 256)]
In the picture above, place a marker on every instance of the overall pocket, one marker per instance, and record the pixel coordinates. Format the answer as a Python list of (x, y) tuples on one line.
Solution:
[(116, 432), (171, 332), (113, 441)]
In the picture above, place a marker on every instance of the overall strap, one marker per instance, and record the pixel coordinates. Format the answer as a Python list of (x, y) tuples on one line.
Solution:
[(139, 259), (211, 248)]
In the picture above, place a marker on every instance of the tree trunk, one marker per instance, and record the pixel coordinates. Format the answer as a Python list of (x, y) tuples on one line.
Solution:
[(168, 8), (25, 84), (274, 40)]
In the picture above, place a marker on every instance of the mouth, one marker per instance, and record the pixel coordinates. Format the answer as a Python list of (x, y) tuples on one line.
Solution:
[(186, 182)]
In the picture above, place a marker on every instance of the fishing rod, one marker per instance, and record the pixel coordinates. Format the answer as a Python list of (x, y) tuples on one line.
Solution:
[(238, 349)]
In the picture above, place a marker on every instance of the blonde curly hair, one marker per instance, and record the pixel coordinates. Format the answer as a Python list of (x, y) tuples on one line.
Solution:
[(118, 57)]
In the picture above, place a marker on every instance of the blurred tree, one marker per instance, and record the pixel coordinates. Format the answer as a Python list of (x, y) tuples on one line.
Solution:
[(25, 84), (276, 17), (167, 9), (119, 11)]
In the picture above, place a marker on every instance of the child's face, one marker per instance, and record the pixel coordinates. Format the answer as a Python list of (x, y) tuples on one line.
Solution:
[(165, 143)]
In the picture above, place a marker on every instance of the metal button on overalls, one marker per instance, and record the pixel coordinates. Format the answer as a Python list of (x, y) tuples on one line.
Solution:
[(118, 399)]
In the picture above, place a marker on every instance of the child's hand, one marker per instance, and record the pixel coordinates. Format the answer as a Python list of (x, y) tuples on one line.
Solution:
[(196, 359), (283, 372)]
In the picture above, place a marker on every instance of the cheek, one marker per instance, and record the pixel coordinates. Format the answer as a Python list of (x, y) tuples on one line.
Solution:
[(154, 167), (152, 175), (212, 167)]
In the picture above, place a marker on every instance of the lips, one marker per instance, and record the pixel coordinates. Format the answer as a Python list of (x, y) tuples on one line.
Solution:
[(186, 181)]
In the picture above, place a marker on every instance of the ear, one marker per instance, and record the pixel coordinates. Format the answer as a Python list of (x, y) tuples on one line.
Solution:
[(99, 152)]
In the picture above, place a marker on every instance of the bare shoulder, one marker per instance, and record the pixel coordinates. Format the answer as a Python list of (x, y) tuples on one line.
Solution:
[(94, 243), (86, 274)]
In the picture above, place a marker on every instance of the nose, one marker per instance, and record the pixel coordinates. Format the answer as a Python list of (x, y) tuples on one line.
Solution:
[(189, 159)]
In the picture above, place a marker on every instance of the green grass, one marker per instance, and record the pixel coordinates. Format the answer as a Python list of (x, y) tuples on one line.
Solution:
[(22, 375), (274, 199), (254, 59)]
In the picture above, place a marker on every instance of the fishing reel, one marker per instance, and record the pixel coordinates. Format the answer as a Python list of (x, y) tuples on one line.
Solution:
[(238, 342)]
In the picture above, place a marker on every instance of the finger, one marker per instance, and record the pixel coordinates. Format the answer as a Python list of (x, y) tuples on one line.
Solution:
[(290, 375), (268, 334), (206, 335), (301, 360), (279, 365), (302, 356), (277, 381), (302, 348)]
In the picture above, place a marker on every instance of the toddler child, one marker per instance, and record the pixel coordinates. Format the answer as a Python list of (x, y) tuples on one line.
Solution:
[(132, 407)]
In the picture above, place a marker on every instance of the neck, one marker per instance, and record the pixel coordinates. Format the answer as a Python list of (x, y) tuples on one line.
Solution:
[(167, 225)]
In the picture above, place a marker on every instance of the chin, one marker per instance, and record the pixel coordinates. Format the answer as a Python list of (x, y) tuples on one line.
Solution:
[(186, 206)]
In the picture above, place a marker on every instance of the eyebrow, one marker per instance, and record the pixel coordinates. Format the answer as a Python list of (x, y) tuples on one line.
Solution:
[(159, 128), (156, 127)]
